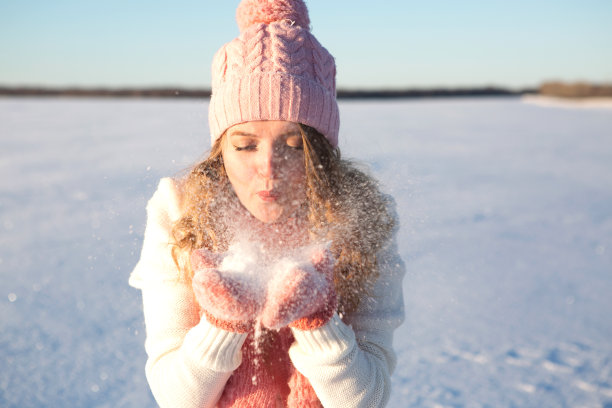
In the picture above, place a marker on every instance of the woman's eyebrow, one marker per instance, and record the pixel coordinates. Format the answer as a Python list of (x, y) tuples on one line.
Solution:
[(247, 134), (242, 133)]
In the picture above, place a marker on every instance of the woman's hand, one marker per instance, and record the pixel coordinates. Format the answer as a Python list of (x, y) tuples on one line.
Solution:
[(303, 296), (226, 302)]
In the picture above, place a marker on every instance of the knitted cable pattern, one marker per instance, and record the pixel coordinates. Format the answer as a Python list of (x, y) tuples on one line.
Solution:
[(252, 51), (288, 52), (325, 70)]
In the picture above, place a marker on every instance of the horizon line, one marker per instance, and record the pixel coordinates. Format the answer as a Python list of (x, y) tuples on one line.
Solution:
[(205, 92)]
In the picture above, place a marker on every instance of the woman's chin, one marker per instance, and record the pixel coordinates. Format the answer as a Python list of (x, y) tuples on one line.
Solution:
[(268, 215)]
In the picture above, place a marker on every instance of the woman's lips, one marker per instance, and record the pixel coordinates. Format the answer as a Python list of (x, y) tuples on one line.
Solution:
[(268, 195)]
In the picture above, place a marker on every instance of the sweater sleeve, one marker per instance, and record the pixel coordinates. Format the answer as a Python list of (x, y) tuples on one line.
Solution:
[(189, 360), (349, 361)]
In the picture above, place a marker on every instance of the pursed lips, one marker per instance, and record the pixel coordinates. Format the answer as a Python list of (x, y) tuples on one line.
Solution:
[(268, 195)]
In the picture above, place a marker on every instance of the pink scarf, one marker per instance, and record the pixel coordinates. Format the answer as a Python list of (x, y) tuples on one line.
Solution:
[(267, 378)]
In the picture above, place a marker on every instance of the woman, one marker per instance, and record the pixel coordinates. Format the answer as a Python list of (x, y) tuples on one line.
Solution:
[(269, 273)]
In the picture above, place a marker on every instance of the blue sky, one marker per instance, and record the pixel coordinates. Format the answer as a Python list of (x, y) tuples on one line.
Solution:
[(376, 43)]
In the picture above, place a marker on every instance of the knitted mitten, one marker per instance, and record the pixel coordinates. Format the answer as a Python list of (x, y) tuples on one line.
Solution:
[(225, 302), (303, 296)]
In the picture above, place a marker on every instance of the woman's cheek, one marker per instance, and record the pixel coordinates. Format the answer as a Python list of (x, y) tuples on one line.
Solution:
[(243, 171)]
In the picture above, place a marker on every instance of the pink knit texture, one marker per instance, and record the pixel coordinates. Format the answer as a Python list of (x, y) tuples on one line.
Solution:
[(225, 302), (218, 297), (267, 11), (266, 378), (301, 297), (275, 70)]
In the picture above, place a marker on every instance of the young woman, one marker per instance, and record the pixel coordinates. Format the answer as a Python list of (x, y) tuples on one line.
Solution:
[(269, 272)]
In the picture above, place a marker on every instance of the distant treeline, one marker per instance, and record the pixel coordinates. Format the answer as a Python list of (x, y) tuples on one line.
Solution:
[(558, 89), (205, 93), (575, 90), (106, 92), (428, 93)]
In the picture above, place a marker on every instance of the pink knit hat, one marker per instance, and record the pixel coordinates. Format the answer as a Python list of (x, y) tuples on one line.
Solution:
[(275, 70)]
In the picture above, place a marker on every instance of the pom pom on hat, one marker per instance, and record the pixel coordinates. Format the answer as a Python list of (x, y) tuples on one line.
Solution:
[(251, 12)]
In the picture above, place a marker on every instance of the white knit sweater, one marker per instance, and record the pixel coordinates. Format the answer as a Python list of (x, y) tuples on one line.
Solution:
[(348, 361)]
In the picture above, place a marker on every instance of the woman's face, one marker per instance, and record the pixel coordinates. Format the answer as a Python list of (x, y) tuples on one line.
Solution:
[(264, 161)]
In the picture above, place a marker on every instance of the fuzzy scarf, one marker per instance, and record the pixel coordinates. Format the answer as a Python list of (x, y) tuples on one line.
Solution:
[(267, 378)]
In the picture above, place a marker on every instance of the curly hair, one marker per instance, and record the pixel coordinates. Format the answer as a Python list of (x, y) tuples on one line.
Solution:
[(344, 206)]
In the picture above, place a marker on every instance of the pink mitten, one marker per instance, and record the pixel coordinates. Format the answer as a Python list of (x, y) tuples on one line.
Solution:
[(226, 302), (302, 296)]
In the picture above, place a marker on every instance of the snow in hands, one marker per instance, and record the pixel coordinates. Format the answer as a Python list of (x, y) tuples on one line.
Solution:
[(254, 287)]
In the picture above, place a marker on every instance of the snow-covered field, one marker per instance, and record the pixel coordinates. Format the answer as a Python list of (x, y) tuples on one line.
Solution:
[(506, 212)]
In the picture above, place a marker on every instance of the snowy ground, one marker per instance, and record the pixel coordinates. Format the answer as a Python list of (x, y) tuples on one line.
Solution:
[(506, 213)]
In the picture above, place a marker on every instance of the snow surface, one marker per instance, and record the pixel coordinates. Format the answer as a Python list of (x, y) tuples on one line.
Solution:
[(572, 103), (506, 212)]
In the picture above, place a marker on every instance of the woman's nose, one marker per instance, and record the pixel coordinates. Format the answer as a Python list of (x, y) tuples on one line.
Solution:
[(269, 162)]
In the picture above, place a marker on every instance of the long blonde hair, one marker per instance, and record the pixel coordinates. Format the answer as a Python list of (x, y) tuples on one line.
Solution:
[(344, 206)]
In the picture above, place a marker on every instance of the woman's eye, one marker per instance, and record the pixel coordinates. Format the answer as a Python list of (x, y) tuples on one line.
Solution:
[(245, 148), (295, 143)]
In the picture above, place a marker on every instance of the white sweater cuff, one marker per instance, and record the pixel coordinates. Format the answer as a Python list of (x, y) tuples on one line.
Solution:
[(334, 339), (211, 347)]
